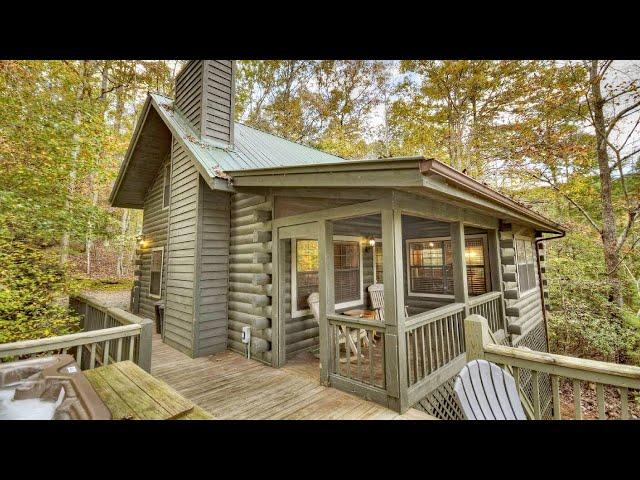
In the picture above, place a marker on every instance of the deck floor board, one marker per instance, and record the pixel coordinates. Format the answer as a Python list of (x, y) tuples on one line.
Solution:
[(229, 386)]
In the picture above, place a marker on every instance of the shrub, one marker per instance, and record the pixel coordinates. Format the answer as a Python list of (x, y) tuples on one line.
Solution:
[(32, 287)]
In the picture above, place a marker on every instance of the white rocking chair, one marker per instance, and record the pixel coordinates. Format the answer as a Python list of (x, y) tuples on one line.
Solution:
[(355, 336)]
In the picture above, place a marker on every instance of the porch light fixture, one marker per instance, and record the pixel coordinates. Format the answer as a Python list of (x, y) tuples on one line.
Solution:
[(372, 242), (142, 242)]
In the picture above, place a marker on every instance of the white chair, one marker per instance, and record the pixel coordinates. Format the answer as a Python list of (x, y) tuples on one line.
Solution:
[(355, 336), (376, 292)]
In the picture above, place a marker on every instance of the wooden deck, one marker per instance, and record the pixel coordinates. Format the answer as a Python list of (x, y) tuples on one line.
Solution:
[(231, 387)]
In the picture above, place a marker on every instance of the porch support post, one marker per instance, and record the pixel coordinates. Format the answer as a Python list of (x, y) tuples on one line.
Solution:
[(460, 287), (395, 347), (496, 271), (326, 293)]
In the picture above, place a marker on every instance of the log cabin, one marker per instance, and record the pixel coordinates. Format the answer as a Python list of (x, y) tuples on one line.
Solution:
[(241, 226)]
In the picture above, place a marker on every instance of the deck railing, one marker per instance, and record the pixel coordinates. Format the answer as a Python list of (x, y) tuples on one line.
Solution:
[(435, 344), (357, 348), (577, 370), (490, 306), (109, 335)]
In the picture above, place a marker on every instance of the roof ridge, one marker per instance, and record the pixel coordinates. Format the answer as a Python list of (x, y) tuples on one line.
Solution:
[(287, 140)]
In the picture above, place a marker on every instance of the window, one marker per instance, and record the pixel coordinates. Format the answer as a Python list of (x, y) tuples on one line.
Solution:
[(430, 269), (167, 186), (527, 266), (306, 272), (347, 273), (155, 282), (378, 262)]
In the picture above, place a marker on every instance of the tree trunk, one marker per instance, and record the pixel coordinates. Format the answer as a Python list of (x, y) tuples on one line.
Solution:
[(124, 225), (608, 233), (75, 151)]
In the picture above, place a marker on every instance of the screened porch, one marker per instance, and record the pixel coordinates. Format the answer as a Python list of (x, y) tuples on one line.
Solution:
[(390, 302)]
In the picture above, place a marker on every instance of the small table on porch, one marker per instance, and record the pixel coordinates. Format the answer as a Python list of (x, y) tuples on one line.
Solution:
[(360, 313), (130, 393)]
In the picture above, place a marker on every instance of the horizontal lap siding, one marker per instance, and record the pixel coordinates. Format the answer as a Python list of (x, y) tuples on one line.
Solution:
[(218, 101), (189, 93), (213, 266), (154, 230), (181, 272)]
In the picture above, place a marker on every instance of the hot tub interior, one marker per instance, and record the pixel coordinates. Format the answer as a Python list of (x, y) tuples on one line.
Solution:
[(48, 388)]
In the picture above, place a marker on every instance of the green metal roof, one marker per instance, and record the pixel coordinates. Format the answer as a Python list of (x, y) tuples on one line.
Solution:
[(252, 148)]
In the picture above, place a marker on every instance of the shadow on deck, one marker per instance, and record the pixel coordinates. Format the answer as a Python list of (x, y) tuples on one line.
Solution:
[(231, 387)]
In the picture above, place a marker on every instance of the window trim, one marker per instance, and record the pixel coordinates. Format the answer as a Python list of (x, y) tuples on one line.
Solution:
[(294, 278), (485, 245), (375, 267), (164, 185), (156, 249), (536, 280)]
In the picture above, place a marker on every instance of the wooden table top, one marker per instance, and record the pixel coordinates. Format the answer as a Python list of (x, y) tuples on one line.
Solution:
[(131, 393), (360, 313)]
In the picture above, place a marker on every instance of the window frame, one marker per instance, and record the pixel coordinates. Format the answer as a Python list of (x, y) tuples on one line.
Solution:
[(534, 251), (156, 249), (375, 263), (166, 169), (487, 265), (295, 313)]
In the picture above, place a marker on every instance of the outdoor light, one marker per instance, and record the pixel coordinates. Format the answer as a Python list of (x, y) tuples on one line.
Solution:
[(372, 242), (430, 244), (141, 241)]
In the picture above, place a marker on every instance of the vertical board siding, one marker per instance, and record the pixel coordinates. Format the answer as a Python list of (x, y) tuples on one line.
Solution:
[(181, 262), (154, 230), (250, 275), (213, 270), (189, 93)]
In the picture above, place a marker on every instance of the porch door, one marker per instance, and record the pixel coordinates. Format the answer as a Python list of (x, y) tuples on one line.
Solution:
[(286, 235)]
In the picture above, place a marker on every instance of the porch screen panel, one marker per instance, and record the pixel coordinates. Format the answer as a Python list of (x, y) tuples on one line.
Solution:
[(431, 267), (306, 271), (427, 270), (378, 260), (346, 271), (474, 257)]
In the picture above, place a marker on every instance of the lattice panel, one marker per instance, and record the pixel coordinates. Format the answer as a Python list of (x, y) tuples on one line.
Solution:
[(536, 339), (441, 403)]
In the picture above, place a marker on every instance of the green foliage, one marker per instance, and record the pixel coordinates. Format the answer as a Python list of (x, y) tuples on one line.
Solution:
[(79, 284), (31, 284)]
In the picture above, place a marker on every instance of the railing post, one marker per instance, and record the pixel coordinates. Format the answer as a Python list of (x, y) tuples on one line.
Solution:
[(144, 344), (476, 336), (327, 295), (460, 287)]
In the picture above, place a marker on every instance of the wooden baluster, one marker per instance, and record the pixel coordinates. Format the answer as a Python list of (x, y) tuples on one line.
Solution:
[(92, 361), (555, 393), (601, 406), (423, 353), (119, 350), (336, 345), (430, 343), (416, 376), (624, 403), (132, 343), (445, 326), (358, 363), (535, 383), (516, 377), (436, 335), (64, 351), (383, 367), (105, 355), (347, 347), (372, 379), (577, 395), (79, 356)]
